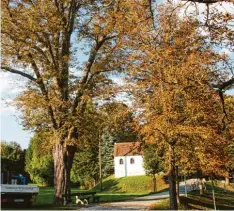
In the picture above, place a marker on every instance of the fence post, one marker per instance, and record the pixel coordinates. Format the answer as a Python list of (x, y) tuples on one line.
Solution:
[(213, 192), (185, 187)]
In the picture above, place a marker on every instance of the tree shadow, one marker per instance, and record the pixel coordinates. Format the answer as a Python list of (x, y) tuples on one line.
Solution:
[(195, 203), (161, 191), (110, 185)]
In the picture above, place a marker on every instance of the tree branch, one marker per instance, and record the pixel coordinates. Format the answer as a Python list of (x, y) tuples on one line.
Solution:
[(151, 12), (223, 108), (224, 85), (40, 51), (87, 69), (92, 57), (25, 75), (99, 72), (209, 1), (44, 91), (46, 36), (72, 13), (8, 69)]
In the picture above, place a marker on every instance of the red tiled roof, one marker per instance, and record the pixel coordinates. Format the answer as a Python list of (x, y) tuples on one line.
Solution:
[(127, 149)]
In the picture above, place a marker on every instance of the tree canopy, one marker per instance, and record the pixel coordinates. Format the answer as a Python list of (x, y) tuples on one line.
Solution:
[(39, 163), (12, 157), (175, 81), (39, 42), (69, 51)]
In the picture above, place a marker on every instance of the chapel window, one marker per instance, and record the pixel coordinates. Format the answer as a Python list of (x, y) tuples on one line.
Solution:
[(121, 161)]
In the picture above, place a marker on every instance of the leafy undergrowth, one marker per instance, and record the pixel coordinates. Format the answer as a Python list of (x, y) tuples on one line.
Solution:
[(195, 201)]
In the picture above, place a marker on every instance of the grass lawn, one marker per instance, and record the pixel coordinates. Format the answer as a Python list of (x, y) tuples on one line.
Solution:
[(120, 189), (224, 200), (114, 189), (45, 198)]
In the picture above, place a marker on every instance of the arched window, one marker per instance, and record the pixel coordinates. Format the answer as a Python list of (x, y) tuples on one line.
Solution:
[(121, 161), (132, 161)]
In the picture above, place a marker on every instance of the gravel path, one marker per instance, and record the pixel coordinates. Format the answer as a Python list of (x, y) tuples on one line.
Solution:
[(138, 203)]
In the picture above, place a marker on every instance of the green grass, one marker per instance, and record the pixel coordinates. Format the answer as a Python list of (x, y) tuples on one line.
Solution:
[(114, 189), (121, 189), (45, 198), (195, 201), (133, 184), (46, 195), (224, 201), (161, 205)]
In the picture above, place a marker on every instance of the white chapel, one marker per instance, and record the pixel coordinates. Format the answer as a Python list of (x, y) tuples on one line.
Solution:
[(128, 159)]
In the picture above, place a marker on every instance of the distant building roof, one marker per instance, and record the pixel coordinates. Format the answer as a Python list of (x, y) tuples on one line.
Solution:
[(127, 149)]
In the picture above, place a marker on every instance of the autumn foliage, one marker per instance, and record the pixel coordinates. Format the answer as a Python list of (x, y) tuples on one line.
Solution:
[(174, 74)]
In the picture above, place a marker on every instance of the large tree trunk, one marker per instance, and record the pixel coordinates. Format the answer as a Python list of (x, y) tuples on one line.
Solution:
[(177, 186), (172, 179), (154, 183), (63, 158)]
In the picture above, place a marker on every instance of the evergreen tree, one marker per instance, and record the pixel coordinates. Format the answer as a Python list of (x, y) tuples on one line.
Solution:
[(108, 141), (85, 167)]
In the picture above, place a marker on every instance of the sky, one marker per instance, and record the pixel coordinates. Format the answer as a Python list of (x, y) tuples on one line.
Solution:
[(11, 129)]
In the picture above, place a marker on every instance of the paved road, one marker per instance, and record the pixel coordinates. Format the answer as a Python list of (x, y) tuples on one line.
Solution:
[(138, 203)]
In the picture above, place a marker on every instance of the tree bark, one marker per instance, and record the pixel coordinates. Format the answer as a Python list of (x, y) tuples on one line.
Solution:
[(154, 183), (100, 162), (177, 186), (201, 187), (63, 158), (172, 179)]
